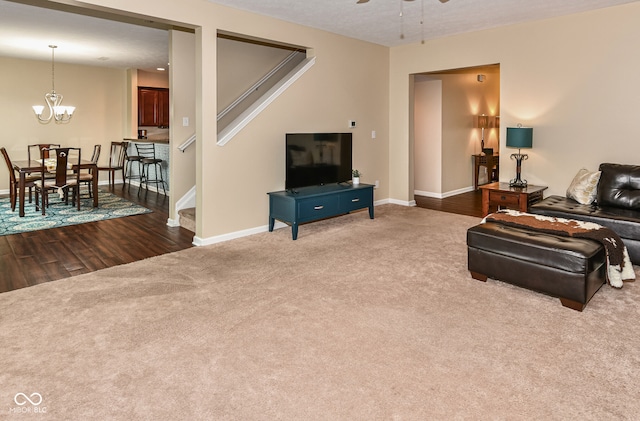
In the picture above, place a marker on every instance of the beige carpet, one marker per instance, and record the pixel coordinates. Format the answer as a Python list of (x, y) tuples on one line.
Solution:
[(358, 319)]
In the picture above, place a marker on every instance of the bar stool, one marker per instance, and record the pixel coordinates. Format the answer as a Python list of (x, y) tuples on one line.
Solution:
[(147, 153), (130, 159)]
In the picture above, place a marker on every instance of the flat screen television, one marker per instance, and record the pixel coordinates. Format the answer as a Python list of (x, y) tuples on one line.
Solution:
[(315, 159)]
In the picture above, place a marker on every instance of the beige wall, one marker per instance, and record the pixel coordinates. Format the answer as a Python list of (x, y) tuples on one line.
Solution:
[(98, 93), (348, 82), (153, 79), (572, 83), (182, 100), (243, 62), (427, 117), (573, 79)]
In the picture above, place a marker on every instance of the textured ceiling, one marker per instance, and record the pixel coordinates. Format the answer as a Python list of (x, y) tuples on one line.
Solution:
[(26, 31), (378, 21)]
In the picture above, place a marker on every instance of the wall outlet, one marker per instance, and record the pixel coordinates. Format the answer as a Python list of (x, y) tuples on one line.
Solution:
[(185, 121), (373, 134), (352, 124), (377, 184)]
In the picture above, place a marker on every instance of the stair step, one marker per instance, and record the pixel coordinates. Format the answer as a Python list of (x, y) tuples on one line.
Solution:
[(188, 218)]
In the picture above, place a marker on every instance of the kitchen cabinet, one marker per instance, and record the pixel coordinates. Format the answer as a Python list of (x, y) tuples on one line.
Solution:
[(153, 107)]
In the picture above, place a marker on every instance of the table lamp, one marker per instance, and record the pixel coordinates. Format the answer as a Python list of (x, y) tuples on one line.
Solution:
[(519, 137), (482, 122)]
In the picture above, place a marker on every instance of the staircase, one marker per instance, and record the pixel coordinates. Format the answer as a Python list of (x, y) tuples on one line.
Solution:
[(187, 219), (240, 112)]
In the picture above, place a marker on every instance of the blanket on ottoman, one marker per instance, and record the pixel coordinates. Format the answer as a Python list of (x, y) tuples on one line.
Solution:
[(619, 267)]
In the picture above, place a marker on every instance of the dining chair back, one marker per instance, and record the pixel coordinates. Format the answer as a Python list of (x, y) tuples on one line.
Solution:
[(117, 154), (40, 150), (13, 182), (86, 177), (64, 180), (96, 153)]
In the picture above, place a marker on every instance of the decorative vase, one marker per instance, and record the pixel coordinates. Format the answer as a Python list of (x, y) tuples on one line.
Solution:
[(355, 181)]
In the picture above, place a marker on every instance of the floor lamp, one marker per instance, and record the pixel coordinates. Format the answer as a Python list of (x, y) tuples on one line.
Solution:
[(519, 137)]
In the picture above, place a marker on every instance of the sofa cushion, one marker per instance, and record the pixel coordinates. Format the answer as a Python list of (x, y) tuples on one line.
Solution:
[(584, 187), (619, 186), (625, 222)]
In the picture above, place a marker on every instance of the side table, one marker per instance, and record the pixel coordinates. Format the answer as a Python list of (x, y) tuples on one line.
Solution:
[(488, 161), (501, 195)]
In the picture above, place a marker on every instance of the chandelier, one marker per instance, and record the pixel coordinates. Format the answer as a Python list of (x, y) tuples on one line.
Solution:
[(57, 112)]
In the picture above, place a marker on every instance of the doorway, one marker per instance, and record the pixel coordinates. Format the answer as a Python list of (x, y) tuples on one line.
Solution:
[(445, 131)]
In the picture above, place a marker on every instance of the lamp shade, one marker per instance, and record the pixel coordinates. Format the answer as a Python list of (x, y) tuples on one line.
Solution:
[(482, 122), (519, 137)]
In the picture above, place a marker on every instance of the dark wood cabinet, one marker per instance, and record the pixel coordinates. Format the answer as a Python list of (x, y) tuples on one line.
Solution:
[(153, 107)]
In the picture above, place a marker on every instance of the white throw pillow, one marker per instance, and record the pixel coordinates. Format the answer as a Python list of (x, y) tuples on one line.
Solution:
[(584, 186)]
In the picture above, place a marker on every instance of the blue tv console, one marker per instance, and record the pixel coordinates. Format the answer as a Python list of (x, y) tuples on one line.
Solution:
[(308, 204)]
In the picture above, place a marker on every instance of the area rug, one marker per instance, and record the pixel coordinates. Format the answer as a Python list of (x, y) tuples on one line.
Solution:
[(358, 319), (59, 214)]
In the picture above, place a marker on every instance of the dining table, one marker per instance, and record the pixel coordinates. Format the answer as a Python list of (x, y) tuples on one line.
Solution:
[(30, 167)]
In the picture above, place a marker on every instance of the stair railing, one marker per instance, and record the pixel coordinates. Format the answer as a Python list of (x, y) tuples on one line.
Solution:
[(256, 85), (187, 143)]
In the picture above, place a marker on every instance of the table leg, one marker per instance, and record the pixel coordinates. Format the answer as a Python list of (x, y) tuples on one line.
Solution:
[(21, 193), (476, 173), (524, 205), (272, 222), (95, 186), (485, 202), (294, 231), (371, 212)]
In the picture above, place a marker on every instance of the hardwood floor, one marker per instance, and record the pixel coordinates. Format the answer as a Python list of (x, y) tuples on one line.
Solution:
[(33, 258), (463, 204)]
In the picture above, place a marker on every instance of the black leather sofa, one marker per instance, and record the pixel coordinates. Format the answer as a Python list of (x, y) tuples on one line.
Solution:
[(617, 205)]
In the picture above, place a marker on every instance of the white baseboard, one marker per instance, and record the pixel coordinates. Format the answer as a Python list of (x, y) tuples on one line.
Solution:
[(402, 202), (443, 195), (197, 241), (154, 189), (172, 222), (187, 201)]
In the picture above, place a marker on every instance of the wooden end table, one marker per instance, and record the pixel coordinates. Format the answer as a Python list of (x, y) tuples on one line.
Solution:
[(501, 195)]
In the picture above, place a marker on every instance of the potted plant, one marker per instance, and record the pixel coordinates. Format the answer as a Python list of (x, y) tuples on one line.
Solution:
[(355, 174)]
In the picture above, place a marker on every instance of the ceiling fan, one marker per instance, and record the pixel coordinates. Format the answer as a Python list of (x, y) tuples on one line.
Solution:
[(367, 1)]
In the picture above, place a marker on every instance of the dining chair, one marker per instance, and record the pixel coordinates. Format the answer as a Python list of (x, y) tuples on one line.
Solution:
[(13, 182), (64, 180), (37, 151), (86, 177), (147, 153), (117, 155)]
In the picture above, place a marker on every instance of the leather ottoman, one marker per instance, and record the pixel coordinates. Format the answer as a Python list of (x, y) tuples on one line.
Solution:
[(572, 269)]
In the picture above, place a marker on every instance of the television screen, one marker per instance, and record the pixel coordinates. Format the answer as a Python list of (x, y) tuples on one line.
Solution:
[(315, 159)]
